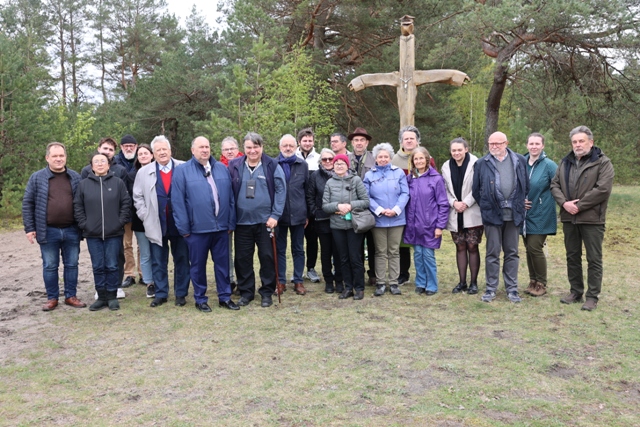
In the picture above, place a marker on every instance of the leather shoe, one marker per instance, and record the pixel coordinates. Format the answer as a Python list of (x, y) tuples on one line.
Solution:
[(157, 302), (128, 281), (429, 293), (266, 302), (74, 302), (203, 307), (299, 289), (281, 288), (358, 295), (473, 289), (460, 287), (181, 301), (229, 305), (50, 305), (346, 294), (243, 302)]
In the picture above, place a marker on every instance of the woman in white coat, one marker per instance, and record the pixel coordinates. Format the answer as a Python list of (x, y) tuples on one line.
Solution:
[(465, 221)]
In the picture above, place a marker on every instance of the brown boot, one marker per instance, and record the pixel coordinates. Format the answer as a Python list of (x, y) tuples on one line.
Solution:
[(281, 288), (540, 289), (299, 289), (531, 288)]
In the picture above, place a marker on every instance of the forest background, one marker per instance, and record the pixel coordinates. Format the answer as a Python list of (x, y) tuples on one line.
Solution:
[(77, 70)]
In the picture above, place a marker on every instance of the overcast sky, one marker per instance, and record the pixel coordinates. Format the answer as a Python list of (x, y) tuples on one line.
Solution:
[(182, 9)]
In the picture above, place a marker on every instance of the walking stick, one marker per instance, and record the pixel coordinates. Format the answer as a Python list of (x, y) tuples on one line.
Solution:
[(272, 234)]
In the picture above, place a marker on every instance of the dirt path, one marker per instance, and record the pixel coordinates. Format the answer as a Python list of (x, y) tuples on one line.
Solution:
[(22, 294)]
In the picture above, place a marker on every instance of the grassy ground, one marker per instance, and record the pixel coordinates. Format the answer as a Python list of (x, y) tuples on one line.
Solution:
[(446, 360)]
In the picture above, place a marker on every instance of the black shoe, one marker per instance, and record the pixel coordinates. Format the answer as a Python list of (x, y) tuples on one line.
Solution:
[(359, 295), (402, 279), (460, 287), (420, 290), (266, 302), (329, 289), (243, 302), (473, 289), (228, 304), (339, 287), (346, 294), (429, 293), (181, 301), (130, 280), (157, 302), (204, 307)]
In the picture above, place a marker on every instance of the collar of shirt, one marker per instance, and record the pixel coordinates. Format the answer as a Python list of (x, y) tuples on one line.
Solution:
[(166, 168)]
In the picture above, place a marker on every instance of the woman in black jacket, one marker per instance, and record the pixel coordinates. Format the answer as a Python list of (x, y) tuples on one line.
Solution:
[(328, 250), (101, 207)]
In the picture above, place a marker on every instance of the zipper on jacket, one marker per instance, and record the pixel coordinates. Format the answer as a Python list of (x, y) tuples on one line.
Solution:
[(102, 206)]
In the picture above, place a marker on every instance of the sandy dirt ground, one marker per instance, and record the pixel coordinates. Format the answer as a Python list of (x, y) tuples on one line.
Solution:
[(22, 294)]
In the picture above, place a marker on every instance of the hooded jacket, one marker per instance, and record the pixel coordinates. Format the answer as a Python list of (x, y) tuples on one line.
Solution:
[(102, 206), (428, 209), (593, 179), (541, 218)]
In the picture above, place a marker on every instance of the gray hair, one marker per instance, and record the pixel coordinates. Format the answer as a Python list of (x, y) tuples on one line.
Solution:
[(409, 128), (229, 139), (342, 136), (160, 138), (383, 146), (459, 141), (327, 150), (255, 138), (581, 129), (56, 144), (287, 135)]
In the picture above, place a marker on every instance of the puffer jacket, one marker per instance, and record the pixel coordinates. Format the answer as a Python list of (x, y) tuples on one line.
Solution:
[(541, 218), (34, 202), (387, 188), (192, 199), (484, 189), (471, 216), (346, 189), (102, 206), (427, 209), (594, 182), (315, 191)]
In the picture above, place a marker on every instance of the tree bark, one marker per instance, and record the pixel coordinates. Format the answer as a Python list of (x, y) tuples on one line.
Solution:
[(493, 101)]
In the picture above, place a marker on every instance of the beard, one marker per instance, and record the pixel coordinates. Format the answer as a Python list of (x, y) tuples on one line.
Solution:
[(129, 156)]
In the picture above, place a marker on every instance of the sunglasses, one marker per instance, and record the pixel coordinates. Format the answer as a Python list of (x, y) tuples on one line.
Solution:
[(327, 159)]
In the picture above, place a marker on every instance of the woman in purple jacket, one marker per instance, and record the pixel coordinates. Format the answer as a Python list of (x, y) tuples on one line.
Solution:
[(427, 215)]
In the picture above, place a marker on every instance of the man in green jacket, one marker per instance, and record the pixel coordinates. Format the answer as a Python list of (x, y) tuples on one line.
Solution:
[(582, 186)]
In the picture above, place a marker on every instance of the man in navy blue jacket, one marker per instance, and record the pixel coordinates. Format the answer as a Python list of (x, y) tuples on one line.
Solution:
[(204, 212), (500, 186), (260, 190), (47, 214)]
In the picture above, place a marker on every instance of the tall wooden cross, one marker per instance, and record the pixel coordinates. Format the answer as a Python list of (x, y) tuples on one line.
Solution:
[(408, 79)]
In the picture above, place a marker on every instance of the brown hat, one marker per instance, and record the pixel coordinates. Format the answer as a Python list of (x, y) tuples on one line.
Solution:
[(360, 132)]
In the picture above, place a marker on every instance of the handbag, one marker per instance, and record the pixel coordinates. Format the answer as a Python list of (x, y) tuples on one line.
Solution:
[(362, 220)]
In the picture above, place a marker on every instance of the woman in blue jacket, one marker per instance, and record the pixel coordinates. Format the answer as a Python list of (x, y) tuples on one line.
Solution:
[(541, 219), (427, 216), (102, 207), (388, 194)]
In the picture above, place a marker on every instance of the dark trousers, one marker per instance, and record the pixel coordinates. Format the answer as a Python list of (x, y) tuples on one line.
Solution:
[(536, 260), (329, 251), (200, 246), (104, 262), (405, 261), (247, 237), (297, 251), (160, 266), (311, 238), (349, 244), (371, 253), (591, 235)]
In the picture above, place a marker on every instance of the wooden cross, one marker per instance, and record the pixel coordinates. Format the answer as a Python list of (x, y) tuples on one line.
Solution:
[(408, 79)]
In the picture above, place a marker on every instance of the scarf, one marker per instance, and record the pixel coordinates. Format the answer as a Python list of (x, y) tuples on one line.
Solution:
[(286, 163), (457, 179)]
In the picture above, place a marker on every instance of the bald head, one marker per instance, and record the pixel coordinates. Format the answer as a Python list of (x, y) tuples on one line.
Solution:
[(201, 149), (498, 144), (288, 145)]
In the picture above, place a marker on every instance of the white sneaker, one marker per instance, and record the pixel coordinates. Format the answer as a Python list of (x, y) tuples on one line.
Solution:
[(121, 293), (313, 276)]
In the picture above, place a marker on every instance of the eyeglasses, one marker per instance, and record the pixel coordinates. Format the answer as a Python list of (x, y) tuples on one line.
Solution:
[(340, 163), (100, 162), (230, 149), (496, 144), (327, 159)]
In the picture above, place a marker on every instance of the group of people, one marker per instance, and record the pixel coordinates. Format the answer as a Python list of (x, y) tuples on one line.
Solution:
[(226, 208)]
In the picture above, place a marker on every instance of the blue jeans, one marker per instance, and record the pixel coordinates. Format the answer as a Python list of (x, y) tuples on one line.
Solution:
[(200, 246), (104, 260), (145, 256), (426, 270), (297, 252), (65, 242), (160, 266)]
